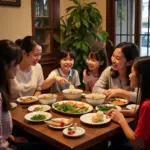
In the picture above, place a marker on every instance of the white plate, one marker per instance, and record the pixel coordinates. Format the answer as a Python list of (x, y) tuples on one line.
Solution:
[(87, 118), (35, 98), (117, 107), (29, 115), (132, 106), (54, 127), (43, 107), (13, 105), (79, 131), (90, 108), (121, 99)]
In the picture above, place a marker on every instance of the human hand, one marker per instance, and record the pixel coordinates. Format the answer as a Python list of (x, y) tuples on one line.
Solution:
[(18, 139), (112, 93), (116, 116), (61, 80)]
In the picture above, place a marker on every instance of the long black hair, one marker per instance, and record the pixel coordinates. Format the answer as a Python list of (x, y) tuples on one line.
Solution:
[(99, 55), (9, 52), (141, 66), (130, 52)]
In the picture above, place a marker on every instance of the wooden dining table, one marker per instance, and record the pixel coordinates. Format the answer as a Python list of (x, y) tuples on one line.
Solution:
[(94, 137)]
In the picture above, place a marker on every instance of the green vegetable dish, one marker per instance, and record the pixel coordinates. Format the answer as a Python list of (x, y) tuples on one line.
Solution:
[(106, 108), (71, 108), (38, 117)]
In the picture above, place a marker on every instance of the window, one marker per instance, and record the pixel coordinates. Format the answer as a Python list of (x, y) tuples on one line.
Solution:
[(129, 20)]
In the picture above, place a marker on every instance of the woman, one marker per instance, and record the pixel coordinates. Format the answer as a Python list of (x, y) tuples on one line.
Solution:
[(10, 56), (29, 75), (139, 77), (114, 81)]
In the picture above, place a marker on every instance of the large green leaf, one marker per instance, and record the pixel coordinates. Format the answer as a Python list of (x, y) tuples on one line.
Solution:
[(57, 38), (75, 1), (85, 22), (70, 8)]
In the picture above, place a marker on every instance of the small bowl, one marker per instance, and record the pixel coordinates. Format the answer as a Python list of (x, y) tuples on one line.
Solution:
[(72, 94), (47, 98), (95, 99)]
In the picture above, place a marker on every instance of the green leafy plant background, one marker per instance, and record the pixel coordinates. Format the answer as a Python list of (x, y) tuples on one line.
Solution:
[(80, 28)]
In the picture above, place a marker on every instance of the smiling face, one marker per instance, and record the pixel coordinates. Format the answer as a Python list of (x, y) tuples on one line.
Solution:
[(118, 60), (34, 56), (133, 78), (66, 63), (93, 64)]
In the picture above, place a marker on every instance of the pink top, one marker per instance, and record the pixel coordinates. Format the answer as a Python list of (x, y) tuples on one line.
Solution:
[(5, 126), (142, 130), (89, 80)]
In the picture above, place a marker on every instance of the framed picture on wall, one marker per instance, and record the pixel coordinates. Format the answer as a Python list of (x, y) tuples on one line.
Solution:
[(11, 2)]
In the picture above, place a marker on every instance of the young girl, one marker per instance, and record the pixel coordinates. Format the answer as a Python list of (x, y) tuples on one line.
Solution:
[(10, 56), (29, 75), (114, 81), (139, 77), (96, 63), (59, 79)]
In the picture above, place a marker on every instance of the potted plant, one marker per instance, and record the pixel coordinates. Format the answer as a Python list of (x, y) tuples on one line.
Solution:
[(80, 28)]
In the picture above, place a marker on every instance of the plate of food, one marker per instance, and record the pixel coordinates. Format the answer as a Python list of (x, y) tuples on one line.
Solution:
[(74, 131), (119, 101), (72, 107), (38, 116), (132, 106), (39, 108), (12, 105), (107, 107), (60, 123), (27, 99), (98, 118)]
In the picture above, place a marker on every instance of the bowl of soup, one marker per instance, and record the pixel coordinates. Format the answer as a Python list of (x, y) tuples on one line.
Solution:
[(72, 94), (47, 98), (95, 99)]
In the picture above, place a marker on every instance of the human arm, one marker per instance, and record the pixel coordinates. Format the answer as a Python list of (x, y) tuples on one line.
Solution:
[(131, 96), (52, 78), (17, 139), (129, 113), (103, 82), (119, 118)]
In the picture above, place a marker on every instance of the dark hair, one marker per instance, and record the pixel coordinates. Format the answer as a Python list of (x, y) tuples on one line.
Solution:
[(99, 55), (28, 44), (130, 52), (9, 52), (18, 42), (65, 53), (141, 66)]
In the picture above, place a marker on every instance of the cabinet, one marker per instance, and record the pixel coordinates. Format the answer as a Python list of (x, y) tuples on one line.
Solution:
[(46, 23)]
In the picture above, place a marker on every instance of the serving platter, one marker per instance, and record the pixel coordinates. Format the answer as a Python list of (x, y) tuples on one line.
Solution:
[(72, 107)]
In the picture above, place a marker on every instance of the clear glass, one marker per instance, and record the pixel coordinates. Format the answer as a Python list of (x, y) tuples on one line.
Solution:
[(42, 23)]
